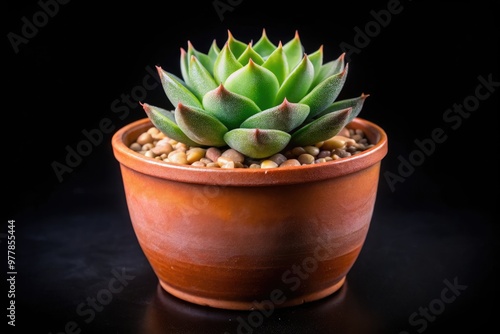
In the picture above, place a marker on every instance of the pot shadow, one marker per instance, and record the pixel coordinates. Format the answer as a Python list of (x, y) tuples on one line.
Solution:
[(340, 312)]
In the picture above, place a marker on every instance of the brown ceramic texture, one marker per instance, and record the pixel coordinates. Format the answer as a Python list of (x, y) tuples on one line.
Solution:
[(246, 238)]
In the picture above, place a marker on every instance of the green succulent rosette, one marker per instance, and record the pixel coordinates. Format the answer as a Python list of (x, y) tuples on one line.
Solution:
[(255, 98)]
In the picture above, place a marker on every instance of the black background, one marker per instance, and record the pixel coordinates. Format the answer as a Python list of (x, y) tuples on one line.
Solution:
[(436, 223)]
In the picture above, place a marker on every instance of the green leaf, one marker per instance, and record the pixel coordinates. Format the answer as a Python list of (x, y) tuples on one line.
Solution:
[(322, 128), (294, 51), (200, 126), (213, 52), (264, 46), (316, 59), (201, 81), (327, 70), (204, 59), (230, 108), (176, 90), (248, 54), (297, 83), (184, 67), (237, 47), (225, 64), (164, 120), (325, 93), (257, 143), (277, 63), (255, 82), (355, 103), (285, 117)]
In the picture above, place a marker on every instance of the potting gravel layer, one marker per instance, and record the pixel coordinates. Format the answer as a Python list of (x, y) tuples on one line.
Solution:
[(156, 145)]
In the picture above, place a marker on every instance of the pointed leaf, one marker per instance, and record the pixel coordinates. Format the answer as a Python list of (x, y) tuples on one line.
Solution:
[(264, 46), (200, 126), (297, 83), (230, 108), (285, 117), (331, 68), (248, 54), (164, 120), (200, 79), (255, 82), (237, 47), (204, 59), (213, 52), (277, 63), (294, 51), (176, 90), (225, 64), (316, 59), (355, 103), (184, 67), (322, 128), (325, 93), (257, 143)]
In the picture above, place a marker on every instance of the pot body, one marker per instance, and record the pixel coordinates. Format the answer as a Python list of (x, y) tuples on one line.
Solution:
[(250, 239)]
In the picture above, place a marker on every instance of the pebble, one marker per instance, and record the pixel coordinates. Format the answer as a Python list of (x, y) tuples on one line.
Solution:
[(145, 138), (154, 144), (268, 164)]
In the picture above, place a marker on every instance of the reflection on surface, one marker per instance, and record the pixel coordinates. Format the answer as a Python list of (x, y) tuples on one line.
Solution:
[(338, 313)]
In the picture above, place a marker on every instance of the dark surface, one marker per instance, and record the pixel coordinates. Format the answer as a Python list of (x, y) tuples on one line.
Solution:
[(435, 227)]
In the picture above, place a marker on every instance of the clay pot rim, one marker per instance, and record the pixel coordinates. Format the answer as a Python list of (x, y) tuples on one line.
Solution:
[(246, 176)]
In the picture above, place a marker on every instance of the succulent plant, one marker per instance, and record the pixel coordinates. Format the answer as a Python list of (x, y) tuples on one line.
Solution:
[(257, 98)]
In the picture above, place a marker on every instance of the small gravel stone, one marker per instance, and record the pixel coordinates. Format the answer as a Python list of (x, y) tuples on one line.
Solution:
[(296, 151), (147, 146), (233, 155), (324, 154), (145, 138), (178, 157), (351, 149), (213, 153), (224, 160), (278, 158), (206, 161), (268, 164), (306, 159), (290, 162), (136, 146), (312, 150), (153, 131), (195, 154), (198, 164), (162, 147), (226, 164), (154, 144)]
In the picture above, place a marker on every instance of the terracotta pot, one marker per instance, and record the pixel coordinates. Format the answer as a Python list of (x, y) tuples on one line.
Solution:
[(251, 238)]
